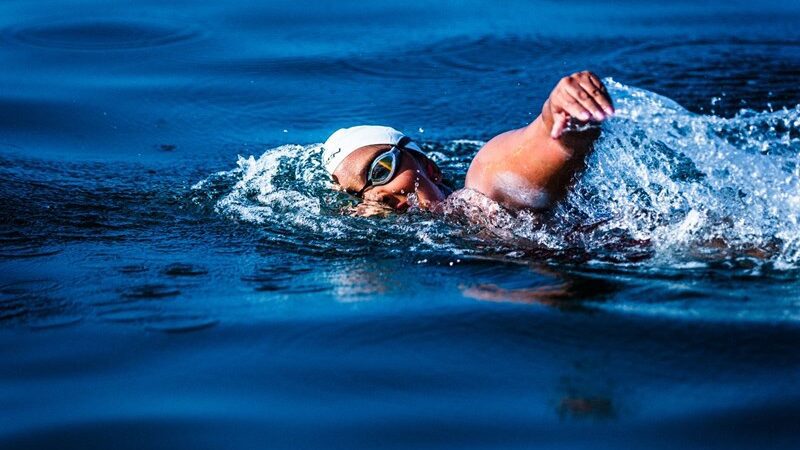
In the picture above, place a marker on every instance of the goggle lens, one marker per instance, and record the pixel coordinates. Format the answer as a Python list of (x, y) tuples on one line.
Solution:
[(383, 168)]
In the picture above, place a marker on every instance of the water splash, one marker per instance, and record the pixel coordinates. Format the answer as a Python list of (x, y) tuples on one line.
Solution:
[(663, 185), (288, 194), (693, 186)]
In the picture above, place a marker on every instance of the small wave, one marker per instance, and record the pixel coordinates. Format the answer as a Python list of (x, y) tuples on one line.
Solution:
[(32, 301), (98, 35), (16, 245), (724, 76)]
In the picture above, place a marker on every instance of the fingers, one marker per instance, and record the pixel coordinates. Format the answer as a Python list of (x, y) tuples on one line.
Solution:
[(588, 92), (564, 102), (559, 123), (597, 83), (577, 92), (592, 85), (581, 96)]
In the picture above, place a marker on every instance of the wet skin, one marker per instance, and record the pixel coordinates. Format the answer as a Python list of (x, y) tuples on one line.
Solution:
[(526, 168), (414, 174), (532, 167)]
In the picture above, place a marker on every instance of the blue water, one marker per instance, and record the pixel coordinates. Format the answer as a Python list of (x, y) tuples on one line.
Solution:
[(175, 271)]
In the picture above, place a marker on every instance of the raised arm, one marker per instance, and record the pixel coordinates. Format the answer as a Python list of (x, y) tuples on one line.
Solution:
[(531, 167)]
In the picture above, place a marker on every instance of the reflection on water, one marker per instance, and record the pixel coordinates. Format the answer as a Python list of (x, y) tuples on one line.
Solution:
[(364, 282), (584, 407), (564, 291), (567, 293), (583, 398)]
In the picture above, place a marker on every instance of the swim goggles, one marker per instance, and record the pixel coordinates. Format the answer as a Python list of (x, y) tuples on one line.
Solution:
[(382, 169), (384, 166)]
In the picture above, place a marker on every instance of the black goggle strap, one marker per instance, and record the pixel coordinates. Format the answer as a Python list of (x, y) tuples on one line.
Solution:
[(405, 140)]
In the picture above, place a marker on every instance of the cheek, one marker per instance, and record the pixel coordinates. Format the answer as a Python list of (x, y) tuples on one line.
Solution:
[(406, 182), (410, 182)]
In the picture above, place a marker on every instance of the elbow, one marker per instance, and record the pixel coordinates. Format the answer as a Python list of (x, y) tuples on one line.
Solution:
[(517, 192)]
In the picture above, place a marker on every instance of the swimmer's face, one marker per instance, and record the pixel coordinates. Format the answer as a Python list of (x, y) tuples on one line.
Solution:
[(414, 174)]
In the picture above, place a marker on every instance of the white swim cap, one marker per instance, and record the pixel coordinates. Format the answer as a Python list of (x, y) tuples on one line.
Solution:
[(347, 140)]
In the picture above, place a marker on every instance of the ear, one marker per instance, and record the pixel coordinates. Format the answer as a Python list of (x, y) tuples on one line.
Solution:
[(433, 171)]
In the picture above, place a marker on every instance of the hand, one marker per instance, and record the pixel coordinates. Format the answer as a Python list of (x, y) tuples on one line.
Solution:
[(580, 96)]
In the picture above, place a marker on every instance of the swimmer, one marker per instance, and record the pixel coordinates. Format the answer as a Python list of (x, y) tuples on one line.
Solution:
[(527, 168)]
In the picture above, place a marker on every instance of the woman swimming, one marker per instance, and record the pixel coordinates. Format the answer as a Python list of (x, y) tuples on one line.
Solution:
[(526, 168)]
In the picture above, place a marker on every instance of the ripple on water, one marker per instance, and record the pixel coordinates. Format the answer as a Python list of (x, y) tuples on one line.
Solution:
[(182, 324), (151, 291), (157, 320), (724, 76), (133, 268), (456, 58), (127, 315), (55, 322), (184, 270), (34, 302), (17, 245), (285, 279), (98, 35)]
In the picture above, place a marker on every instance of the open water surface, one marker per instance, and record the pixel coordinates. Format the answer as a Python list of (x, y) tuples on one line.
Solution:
[(176, 271)]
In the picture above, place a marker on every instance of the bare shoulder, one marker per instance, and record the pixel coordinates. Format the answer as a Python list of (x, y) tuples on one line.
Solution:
[(518, 168), (532, 167)]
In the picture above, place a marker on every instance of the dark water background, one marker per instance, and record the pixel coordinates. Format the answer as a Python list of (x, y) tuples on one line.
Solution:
[(155, 294)]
